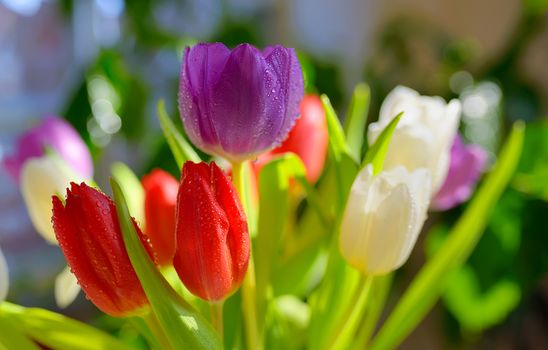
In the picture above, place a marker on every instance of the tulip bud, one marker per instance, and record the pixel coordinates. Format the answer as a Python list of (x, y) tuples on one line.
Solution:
[(160, 200), (423, 136), (308, 138), (4, 280), (89, 235), (212, 235), (240, 103), (40, 179), (58, 135), (383, 218), (466, 165)]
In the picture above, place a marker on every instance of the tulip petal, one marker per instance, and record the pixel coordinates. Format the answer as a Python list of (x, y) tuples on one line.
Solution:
[(466, 165), (239, 101), (202, 260), (202, 67), (60, 136), (238, 235), (383, 218), (89, 235), (40, 179), (66, 288)]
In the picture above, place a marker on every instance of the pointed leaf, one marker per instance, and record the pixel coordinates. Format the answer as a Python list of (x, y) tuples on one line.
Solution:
[(180, 147), (354, 126), (432, 279), (132, 189), (183, 326), (377, 153), (57, 331)]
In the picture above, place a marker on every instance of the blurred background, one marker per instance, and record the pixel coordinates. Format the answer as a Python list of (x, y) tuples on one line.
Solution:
[(104, 64)]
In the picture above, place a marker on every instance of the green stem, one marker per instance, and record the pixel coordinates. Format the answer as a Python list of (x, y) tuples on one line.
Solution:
[(249, 299), (156, 329), (367, 326), (216, 308), (349, 320)]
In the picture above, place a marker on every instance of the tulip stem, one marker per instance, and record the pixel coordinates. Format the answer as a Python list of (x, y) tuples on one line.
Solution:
[(156, 329), (249, 299), (216, 308)]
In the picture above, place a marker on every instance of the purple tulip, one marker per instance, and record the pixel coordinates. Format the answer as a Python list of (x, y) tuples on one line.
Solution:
[(240, 103), (466, 165), (61, 137)]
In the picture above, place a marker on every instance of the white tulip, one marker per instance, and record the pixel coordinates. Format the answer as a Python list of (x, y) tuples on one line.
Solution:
[(383, 218), (424, 135), (41, 178), (4, 280), (66, 288)]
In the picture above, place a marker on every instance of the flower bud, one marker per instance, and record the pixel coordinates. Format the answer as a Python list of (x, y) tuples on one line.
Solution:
[(212, 234), (308, 138), (383, 218), (466, 165), (160, 200), (239, 103), (424, 134), (89, 235), (58, 135), (4, 280), (40, 179)]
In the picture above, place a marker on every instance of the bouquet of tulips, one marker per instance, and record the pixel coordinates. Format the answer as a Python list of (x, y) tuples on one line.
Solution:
[(283, 230)]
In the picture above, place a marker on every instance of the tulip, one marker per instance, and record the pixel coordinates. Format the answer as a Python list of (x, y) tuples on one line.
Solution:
[(89, 235), (58, 135), (383, 218), (4, 280), (160, 200), (213, 243), (240, 103), (424, 135), (40, 179), (308, 138), (466, 166)]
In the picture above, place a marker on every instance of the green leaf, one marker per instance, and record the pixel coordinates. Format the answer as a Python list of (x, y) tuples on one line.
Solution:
[(432, 279), (184, 327), (377, 153), (132, 189), (337, 141), (345, 166), (11, 336), (55, 331), (354, 126), (476, 308), (180, 147), (274, 182)]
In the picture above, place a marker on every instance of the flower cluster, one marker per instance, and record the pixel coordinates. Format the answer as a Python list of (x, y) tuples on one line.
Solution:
[(248, 107)]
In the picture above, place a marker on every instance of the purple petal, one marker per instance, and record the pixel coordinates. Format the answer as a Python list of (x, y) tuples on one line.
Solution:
[(467, 164), (60, 136), (201, 69), (290, 78), (241, 103)]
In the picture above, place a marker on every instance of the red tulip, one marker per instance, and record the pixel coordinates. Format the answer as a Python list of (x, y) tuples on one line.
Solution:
[(89, 235), (212, 235), (160, 200), (308, 138)]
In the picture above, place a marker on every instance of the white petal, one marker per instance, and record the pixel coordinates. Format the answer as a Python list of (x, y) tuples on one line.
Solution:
[(383, 218), (4, 278), (66, 288), (41, 178), (423, 137)]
